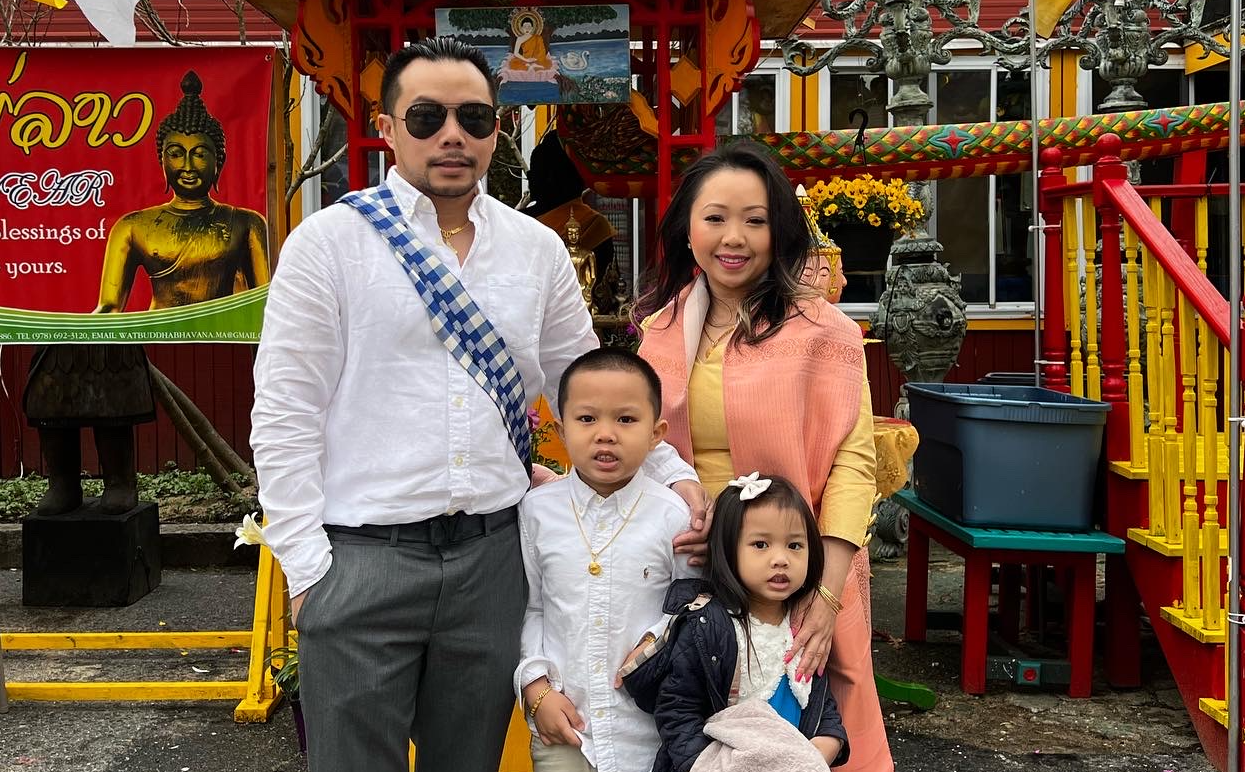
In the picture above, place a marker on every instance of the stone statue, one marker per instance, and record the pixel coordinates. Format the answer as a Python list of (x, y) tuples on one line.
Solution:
[(103, 387), (191, 247), (583, 260), (921, 318)]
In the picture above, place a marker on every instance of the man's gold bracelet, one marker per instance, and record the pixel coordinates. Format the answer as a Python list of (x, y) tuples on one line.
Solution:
[(539, 699), (836, 605)]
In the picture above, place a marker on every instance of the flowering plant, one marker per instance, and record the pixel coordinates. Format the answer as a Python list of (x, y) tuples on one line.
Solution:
[(866, 201)]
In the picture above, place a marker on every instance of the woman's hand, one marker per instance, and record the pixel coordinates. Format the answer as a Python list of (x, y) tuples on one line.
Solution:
[(814, 632)]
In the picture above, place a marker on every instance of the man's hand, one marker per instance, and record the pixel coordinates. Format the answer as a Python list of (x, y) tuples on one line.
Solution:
[(556, 717), (829, 747), (296, 604), (694, 541)]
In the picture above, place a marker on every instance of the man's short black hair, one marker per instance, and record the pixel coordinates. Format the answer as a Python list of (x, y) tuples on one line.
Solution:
[(434, 50), (618, 359)]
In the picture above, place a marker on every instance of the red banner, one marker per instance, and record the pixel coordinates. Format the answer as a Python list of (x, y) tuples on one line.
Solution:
[(133, 179)]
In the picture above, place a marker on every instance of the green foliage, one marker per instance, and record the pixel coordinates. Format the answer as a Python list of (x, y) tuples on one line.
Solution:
[(183, 496), (284, 663)]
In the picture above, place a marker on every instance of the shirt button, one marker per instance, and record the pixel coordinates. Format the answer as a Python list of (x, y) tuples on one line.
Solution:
[(458, 460), (458, 401), (601, 526), (597, 668), (600, 713), (702, 620), (596, 622)]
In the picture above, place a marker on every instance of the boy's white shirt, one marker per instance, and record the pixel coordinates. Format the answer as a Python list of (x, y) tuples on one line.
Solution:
[(578, 628)]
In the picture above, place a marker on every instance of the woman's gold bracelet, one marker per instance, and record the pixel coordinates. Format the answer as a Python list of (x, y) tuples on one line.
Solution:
[(539, 698), (836, 605)]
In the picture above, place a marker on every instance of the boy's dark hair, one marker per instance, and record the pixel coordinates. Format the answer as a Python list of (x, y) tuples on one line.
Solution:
[(722, 570), (434, 50), (610, 358)]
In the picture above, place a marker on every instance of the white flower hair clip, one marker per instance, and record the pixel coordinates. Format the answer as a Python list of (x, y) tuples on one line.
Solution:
[(753, 485)]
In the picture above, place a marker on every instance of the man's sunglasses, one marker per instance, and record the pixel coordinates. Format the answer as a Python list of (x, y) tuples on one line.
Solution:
[(426, 118)]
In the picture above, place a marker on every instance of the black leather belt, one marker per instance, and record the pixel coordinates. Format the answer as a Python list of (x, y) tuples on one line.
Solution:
[(442, 529)]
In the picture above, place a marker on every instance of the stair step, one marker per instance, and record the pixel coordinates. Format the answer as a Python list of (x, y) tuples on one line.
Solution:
[(1216, 709), (1140, 468), (1160, 544), (1191, 627)]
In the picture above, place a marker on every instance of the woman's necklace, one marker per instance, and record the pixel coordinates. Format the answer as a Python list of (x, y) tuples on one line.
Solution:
[(714, 341), (594, 566)]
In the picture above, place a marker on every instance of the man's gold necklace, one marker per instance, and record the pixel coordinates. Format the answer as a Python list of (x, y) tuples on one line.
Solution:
[(446, 235), (594, 565)]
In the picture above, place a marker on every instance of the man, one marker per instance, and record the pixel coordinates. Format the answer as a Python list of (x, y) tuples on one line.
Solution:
[(388, 476), (192, 247)]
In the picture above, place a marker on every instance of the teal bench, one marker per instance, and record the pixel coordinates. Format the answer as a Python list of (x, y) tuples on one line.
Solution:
[(981, 548)]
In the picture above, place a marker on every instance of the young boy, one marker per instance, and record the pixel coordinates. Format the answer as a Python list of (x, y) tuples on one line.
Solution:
[(598, 556)]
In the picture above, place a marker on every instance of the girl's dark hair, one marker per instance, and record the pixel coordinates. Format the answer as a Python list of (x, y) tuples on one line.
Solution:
[(772, 301), (722, 570)]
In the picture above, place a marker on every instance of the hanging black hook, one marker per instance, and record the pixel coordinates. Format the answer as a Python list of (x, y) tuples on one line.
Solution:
[(860, 131)]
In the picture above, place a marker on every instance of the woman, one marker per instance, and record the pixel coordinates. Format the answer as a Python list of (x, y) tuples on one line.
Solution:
[(760, 372)]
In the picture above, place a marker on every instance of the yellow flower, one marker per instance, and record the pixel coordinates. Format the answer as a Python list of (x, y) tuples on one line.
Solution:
[(874, 220), (831, 208)]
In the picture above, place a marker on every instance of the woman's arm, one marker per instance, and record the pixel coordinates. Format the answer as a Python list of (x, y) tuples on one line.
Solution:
[(846, 507)]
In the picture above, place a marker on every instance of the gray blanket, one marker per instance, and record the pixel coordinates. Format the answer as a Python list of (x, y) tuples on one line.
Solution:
[(751, 736)]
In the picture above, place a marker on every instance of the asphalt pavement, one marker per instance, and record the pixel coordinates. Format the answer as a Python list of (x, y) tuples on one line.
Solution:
[(1144, 730)]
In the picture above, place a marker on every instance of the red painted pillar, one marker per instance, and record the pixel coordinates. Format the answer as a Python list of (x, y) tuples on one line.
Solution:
[(1054, 340), (1114, 388)]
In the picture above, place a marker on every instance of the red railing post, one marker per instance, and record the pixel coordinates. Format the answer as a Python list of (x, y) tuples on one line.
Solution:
[(1114, 388), (1054, 331)]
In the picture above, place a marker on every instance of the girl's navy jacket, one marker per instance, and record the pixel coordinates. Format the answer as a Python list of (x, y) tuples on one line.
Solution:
[(689, 673)]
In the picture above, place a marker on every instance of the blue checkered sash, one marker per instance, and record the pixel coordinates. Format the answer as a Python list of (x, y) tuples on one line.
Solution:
[(460, 324)]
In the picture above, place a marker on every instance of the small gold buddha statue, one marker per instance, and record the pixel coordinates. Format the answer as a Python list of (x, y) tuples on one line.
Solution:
[(824, 268), (583, 260)]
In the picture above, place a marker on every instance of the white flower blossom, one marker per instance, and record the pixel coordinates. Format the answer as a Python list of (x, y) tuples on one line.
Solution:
[(249, 532)]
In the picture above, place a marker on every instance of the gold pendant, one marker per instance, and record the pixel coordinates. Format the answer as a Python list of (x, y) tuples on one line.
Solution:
[(594, 568)]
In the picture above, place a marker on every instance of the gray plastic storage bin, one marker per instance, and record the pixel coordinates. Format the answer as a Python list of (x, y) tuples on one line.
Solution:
[(1007, 456)]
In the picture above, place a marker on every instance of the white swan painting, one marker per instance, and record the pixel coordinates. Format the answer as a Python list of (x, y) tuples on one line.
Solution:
[(575, 60)]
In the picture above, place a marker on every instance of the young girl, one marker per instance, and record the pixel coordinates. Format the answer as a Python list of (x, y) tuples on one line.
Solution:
[(730, 640)]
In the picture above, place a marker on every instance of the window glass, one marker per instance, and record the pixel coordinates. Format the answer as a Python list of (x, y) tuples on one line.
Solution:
[(756, 105), (962, 206), (1013, 204), (865, 91)]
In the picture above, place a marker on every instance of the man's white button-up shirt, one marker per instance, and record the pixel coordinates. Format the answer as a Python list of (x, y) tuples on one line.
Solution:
[(361, 415)]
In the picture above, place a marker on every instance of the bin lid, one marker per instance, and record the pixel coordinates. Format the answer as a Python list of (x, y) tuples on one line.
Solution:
[(991, 394)]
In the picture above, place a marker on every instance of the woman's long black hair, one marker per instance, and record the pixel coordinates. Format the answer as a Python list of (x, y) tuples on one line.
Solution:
[(722, 570), (772, 300)]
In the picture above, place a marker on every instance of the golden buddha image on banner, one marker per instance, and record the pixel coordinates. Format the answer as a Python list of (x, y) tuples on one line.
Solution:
[(133, 195), (550, 54)]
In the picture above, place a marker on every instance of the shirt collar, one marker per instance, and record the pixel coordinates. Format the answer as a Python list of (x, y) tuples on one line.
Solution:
[(621, 501), (414, 203)]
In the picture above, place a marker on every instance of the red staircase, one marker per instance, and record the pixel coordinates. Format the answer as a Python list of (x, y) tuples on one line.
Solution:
[(1166, 492)]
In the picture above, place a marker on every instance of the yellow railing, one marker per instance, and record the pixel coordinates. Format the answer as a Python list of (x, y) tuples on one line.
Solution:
[(1175, 417)]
